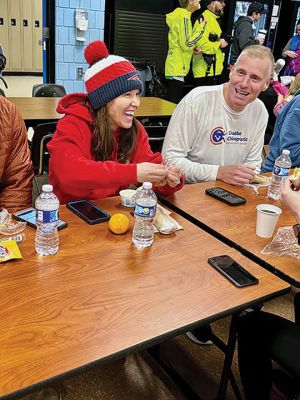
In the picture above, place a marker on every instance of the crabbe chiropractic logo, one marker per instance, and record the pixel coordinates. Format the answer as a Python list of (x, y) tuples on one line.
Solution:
[(219, 135)]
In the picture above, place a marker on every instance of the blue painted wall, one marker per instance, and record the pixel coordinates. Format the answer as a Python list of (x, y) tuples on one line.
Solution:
[(69, 52)]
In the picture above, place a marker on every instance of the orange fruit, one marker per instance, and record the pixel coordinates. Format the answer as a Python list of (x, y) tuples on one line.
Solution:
[(119, 223)]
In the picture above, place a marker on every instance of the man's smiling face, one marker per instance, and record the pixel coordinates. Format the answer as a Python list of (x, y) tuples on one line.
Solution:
[(249, 77)]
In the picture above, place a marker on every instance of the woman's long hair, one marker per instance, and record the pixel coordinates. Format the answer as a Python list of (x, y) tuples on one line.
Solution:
[(103, 141), (294, 86)]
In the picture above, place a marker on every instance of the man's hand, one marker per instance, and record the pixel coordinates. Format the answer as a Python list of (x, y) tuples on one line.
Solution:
[(223, 43), (197, 51), (150, 172), (291, 199), (237, 175)]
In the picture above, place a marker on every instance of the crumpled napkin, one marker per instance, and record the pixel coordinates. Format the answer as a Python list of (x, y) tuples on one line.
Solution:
[(284, 243), (8, 226), (164, 223)]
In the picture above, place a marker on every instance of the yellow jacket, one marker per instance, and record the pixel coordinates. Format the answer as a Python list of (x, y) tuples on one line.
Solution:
[(182, 39), (208, 47)]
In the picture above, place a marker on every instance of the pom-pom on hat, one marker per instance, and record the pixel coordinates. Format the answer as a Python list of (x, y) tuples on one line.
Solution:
[(108, 76)]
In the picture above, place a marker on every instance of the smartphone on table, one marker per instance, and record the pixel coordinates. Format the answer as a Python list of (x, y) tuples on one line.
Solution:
[(29, 215), (233, 271), (88, 211), (225, 196)]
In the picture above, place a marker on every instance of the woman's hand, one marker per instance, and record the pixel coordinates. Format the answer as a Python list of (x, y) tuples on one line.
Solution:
[(150, 172), (291, 199), (290, 53), (173, 175)]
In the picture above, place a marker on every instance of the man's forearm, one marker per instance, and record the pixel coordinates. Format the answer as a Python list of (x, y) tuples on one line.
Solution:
[(195, 171)]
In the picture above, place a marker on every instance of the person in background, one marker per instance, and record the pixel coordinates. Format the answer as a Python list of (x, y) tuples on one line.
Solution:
[(243, 30), (182, 39), (287, 94), (263, 337), (217, 132), (291, 53), (208, 64), (99, 147), (16, 169), (285, 135)]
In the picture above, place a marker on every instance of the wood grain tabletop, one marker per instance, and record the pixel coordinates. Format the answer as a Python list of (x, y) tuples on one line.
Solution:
[(44, 108), (100, 298), (236, 225)]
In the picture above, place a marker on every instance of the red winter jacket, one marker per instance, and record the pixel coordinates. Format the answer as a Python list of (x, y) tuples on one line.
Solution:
[(73, 171)]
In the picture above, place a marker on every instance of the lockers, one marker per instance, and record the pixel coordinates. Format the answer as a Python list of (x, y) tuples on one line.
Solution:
[(21, 34)]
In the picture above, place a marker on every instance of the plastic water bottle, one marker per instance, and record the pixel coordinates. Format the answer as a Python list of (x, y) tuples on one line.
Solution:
[(145, 210), (281, 170), (47, 208)]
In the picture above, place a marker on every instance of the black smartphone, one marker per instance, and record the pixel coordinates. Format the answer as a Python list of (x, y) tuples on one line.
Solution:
[(88, 211), (224, 195), (29, 215), (233, 271)]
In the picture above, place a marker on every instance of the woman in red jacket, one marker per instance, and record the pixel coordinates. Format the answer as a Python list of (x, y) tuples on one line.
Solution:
[(99, 147)]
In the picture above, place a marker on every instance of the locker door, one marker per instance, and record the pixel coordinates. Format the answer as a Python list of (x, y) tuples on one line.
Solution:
[(14, 35), (4, 30), (37, 36), (26, 34)]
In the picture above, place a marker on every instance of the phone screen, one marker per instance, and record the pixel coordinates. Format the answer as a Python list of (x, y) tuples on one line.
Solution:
[(233, 270), (88, 210), (29, 215)]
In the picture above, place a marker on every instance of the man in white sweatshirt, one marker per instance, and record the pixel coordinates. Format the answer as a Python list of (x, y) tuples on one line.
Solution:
[(217, 132)]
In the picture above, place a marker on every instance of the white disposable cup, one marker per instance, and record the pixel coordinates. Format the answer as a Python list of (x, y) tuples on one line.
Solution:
[(261, 37), (266, 219)]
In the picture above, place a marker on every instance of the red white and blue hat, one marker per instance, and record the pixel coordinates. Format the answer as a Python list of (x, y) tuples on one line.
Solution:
[(108, 76)]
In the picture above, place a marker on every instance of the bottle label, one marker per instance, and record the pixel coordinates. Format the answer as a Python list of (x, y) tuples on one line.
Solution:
[(145, 212), (279, 171), (47, 216)]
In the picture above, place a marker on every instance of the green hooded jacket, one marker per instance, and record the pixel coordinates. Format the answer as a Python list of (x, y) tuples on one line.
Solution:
[(182, 39), (208, 47)]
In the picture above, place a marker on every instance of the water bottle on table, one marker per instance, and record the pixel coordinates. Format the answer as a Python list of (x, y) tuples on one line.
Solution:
[(145, 210), (281, 170), (47, 208)]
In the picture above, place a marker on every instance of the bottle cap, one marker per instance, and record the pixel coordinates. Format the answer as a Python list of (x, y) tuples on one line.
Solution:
[(147, 185), (47, 188), (285, 151)]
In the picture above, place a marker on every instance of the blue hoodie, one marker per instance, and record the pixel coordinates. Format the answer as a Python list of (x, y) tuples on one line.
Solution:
[(286, 134)]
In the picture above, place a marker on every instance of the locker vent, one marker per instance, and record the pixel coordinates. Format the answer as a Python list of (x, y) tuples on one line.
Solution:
[(142, 36)]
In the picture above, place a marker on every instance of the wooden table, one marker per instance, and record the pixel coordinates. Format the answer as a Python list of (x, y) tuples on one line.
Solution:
[(236, 225), (36, 110), (100, 298)]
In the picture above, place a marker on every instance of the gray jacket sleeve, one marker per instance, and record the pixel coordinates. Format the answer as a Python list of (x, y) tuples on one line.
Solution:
[(287, 47)]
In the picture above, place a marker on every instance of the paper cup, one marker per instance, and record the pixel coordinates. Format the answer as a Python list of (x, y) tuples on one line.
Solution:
[(266, 219)]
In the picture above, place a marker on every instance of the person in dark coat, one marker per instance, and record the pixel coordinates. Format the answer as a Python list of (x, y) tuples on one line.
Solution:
[(243, 30)]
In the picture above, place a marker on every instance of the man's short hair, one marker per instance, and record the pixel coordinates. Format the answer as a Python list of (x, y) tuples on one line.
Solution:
[(258, 51), (255, 7)]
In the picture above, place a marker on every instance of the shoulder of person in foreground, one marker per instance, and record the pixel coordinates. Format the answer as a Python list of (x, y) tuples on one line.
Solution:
[(16, 170)]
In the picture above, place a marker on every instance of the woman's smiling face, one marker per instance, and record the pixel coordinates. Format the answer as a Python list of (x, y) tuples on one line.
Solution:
[(121, 109)]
